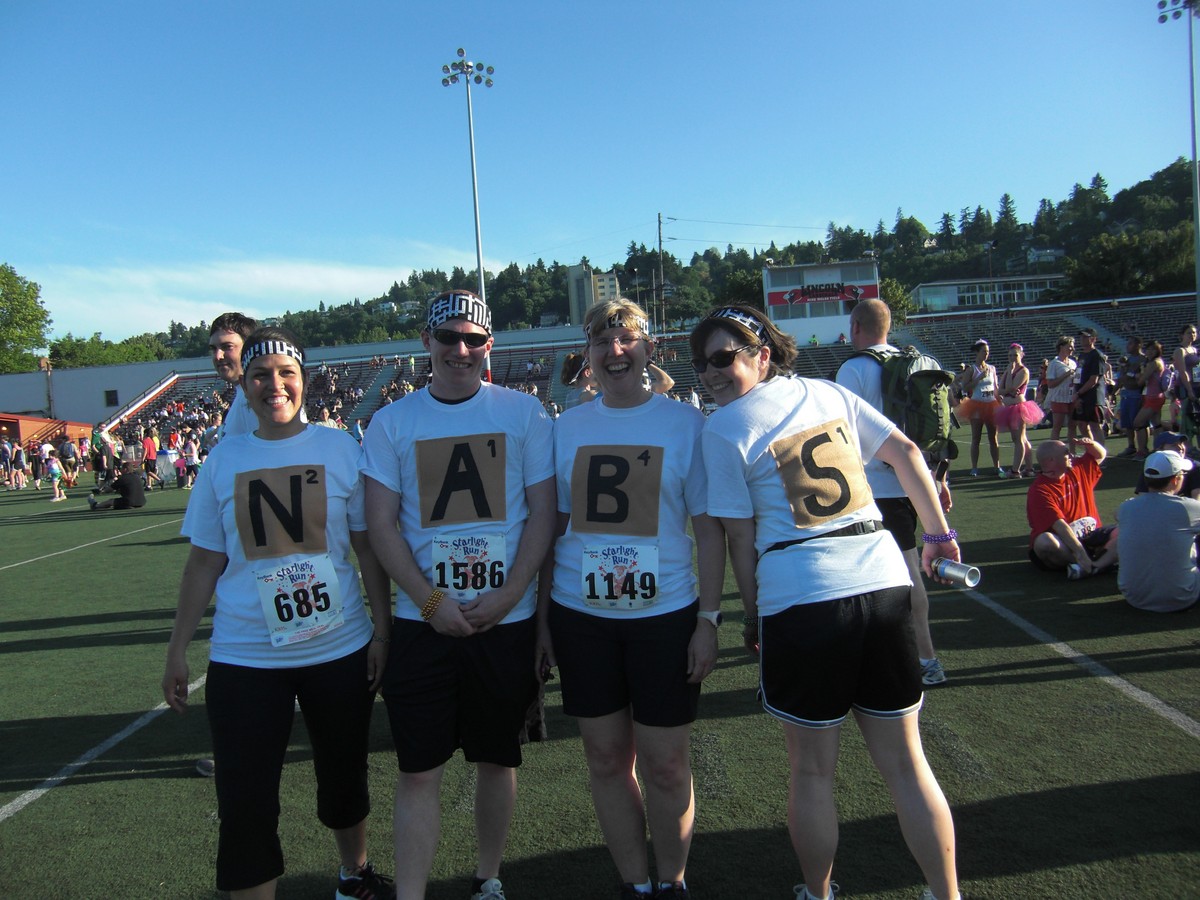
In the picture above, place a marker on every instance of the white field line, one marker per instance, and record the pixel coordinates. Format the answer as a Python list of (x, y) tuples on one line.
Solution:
[(1089, 665), (14, 807), (26, 562)]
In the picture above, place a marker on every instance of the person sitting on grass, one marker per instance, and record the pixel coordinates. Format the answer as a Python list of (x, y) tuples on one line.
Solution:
[(1065, 527), (1158, 539), (1177, 442), (128, 486)]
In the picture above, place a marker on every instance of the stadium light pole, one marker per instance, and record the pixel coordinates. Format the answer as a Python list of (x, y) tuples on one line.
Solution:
[(1169, 10), (467, 71)]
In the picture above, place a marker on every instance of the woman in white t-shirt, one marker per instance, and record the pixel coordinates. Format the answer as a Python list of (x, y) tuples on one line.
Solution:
[(619, 614), (1060, 385), (271, 520), (824, 585)]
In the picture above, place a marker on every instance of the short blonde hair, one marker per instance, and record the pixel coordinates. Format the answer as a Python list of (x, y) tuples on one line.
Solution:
[(618, 313)]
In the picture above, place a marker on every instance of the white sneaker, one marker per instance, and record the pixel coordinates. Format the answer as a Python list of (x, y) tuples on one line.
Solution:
[(802, 892), (492, 889), (932, 672)]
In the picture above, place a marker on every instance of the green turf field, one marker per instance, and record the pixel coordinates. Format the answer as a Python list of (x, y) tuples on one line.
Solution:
[(1066, 739)]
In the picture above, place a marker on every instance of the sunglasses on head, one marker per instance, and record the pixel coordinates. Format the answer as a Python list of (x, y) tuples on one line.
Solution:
[(450, 338), (722, 359)]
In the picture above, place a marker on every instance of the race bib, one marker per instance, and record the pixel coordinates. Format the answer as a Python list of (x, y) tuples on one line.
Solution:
[(300, 600), (465, 566), (1083, 527), (620, 576), (986, 395)]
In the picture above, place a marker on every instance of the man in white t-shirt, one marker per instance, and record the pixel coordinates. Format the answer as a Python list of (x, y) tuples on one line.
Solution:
[(225, 338), (466, 470), (870, 322), (1157, 540)]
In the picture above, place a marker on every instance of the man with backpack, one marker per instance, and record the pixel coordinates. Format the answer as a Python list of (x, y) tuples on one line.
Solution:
[(879, 373)]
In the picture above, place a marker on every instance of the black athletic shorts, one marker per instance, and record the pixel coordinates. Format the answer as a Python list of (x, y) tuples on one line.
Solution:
[(820, 660), (443, 693), (900, 518), (608, 664)]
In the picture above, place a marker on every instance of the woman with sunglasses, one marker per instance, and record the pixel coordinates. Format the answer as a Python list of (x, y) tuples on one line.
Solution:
[(272, 519), (824, 586), (618, 614)]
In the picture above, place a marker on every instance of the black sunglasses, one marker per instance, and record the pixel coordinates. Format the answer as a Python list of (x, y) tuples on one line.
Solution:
[(722, 359), (450, 338)]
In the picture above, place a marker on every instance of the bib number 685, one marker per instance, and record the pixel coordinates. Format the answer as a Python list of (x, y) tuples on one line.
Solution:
[(301, 602)]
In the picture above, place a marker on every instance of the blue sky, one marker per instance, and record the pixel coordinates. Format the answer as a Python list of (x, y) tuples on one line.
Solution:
[(173, 160)]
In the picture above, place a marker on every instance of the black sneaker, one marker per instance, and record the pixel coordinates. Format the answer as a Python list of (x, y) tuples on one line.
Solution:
[(669, 891), (366, 885), (628, 892)]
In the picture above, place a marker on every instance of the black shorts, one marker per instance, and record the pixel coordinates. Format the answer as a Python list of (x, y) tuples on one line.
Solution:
[(820, 660), (1087, 410), (1093, 542), (610, 664), (443, 693), (250, 714), (900, 518)]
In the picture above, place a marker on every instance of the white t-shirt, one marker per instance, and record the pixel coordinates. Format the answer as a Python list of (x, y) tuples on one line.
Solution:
[(630, 478), (267, 500), (985, 388), (461, 470), (239, 418), (790, 454), (862, 376), (1065, 390)]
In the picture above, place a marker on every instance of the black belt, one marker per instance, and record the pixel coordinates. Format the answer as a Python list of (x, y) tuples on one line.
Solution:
[(869, 527)]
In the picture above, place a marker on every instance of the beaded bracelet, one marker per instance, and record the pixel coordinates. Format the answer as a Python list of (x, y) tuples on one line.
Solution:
[(431, 605), (381, 640), (950, 535)]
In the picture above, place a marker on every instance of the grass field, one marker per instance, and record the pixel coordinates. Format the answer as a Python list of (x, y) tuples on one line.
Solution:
[(1066, 739)]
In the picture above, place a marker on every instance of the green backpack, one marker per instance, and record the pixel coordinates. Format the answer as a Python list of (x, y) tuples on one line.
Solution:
[(916, 396)]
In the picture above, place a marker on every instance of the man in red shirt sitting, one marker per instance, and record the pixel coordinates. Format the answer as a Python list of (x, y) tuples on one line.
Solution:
[(1065, 527)]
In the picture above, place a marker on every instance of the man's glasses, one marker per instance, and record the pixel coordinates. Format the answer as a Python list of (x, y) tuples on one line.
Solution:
[(450, 338), (722, 359)]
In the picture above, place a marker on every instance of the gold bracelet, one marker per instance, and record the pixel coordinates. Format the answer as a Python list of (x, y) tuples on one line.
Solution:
[(431, 605)]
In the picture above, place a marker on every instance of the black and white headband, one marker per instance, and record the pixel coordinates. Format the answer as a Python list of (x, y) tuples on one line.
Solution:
[(458, 305), (622, 319), (729, 312), (270, 348)]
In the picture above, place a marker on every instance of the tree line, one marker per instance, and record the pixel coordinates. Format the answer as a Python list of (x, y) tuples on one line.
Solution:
[(1139, 241)]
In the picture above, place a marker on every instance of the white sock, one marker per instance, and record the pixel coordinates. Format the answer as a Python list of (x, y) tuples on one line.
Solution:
[(646, 887)]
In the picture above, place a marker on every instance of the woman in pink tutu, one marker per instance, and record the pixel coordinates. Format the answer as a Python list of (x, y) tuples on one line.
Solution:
[(1016, 413), (980, 404)]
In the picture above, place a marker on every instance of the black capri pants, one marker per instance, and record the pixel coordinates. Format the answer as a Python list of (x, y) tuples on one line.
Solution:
[(250, 714)]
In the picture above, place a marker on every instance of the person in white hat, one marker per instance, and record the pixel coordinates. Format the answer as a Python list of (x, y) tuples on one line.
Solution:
[(1157, 540)]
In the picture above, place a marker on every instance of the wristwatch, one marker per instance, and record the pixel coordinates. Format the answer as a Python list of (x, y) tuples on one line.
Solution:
[(712, 616)]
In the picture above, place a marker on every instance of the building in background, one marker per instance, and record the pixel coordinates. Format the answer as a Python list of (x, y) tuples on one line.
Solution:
[(816, 298), (585, 287)]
